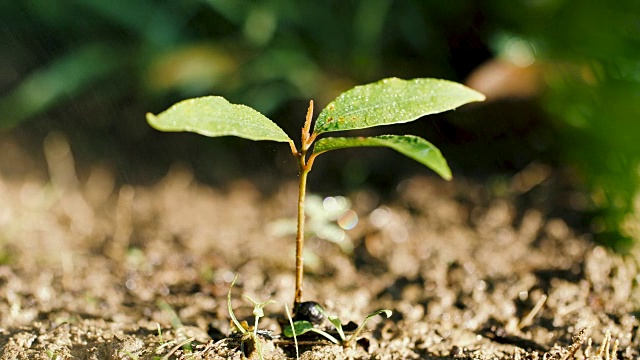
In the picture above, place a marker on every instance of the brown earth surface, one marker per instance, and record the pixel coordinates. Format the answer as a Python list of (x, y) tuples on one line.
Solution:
[(92, 269)]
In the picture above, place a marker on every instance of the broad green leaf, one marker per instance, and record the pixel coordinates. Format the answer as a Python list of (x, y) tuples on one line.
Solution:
[(215, 116), (414, 147), (392, 101)]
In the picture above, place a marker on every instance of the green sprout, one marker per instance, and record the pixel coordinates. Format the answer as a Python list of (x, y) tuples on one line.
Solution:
[(303, 326), (247, 336), (389, 101), (257, 311), (295, 336)]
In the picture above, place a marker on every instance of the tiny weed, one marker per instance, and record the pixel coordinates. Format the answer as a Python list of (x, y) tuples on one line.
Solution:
[(130, 355), (257, 311), (175, 322), (52, 355), (160, 334), (248, 338)]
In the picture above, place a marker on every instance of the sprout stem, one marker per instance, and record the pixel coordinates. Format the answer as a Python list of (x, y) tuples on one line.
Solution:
[(300, 231), (304, 167)]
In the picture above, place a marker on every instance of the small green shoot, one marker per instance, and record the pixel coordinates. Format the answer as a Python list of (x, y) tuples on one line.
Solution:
[(303, 326), (258, 312), (237, 324), (52, 355), (386, 102), (161, 339), (130, 355), (175, 322), (293, 332)]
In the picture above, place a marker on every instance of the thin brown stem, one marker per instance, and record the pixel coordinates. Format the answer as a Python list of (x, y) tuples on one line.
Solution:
[(304, 167), (304, 170)]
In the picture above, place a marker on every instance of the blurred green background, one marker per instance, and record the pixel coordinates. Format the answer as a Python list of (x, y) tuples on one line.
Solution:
[(562, 79)]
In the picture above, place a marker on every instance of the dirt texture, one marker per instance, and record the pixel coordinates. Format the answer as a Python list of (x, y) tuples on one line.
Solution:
[(93, 269)]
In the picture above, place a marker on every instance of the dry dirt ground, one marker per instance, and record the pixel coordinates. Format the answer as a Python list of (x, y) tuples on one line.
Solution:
[(91, 269)]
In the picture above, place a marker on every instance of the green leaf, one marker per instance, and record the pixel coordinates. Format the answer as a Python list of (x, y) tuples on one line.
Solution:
[(414, 147), (215, 116), (392, 101), (337, 323), (300, 327)]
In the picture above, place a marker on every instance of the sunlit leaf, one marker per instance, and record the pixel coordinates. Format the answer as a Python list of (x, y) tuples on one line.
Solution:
[(392, 101), (215, 116), (414, 147)]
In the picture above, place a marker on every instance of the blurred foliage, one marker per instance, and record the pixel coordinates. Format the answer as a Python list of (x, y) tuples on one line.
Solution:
[(100, 65), (258, 53), (590, 55)]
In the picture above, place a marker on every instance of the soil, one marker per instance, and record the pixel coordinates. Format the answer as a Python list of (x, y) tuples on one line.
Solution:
[(94, 269)]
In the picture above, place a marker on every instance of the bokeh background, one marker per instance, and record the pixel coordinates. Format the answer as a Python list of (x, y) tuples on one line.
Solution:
[(562, 79)]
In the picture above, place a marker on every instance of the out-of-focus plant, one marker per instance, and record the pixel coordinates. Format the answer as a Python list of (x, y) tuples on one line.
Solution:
[(327, 219), (589, 54), (259, 53), (64, 77)]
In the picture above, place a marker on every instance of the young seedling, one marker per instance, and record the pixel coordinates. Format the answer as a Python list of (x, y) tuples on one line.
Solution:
[(389, 101), (302, 326), (247, 336), (257, 311)]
